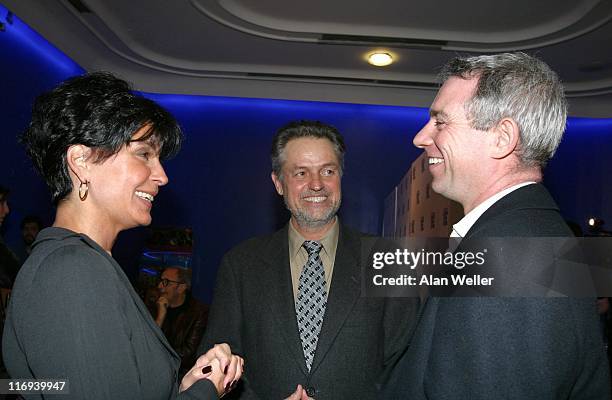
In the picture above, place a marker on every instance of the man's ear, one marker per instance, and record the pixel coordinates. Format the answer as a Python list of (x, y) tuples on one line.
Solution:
[(78, 159), (277, 183), (505, 139)]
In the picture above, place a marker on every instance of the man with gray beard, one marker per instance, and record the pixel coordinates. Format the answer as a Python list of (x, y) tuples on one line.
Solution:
[(290, 302)]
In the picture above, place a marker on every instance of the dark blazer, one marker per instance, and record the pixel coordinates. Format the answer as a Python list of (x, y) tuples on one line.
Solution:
[(506, 348), (74, 315), (253, 310)]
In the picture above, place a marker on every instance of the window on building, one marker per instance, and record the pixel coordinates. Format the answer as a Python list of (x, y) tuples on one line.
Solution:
[(418, 197), (422, 224), (445, 217), (422, 164), (412, 227), (432, 224), (427, 191)]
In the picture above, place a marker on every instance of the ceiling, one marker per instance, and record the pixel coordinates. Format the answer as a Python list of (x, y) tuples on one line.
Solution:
[(315, 50)]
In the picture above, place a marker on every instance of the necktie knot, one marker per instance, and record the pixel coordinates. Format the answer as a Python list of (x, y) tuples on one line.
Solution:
[(312, 247)]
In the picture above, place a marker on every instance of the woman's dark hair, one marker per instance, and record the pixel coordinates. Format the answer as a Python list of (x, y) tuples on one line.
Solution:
[(97, 110)]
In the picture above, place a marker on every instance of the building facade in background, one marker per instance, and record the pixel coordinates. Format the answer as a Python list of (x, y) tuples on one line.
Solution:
[(413, 209)]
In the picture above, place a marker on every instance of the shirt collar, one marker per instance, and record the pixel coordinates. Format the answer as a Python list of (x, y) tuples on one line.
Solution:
[(296, 239), (461, 228)]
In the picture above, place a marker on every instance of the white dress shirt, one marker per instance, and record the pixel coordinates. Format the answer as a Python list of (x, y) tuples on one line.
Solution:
[(461, 228)]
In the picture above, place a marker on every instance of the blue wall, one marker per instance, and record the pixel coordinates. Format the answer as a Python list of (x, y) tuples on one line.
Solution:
[(580, 174), (29, 65), (220, 184)]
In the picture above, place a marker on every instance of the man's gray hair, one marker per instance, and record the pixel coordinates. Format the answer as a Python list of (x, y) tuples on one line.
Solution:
[(304, 129), (517, 86)]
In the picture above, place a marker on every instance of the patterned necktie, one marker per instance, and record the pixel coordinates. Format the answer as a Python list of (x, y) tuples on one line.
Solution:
[(311, 300)]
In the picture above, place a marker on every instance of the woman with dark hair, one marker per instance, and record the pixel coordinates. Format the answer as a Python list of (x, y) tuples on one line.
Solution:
[(73, 314)]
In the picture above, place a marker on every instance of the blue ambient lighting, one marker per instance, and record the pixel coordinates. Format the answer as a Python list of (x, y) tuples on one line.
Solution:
[(149, 271), (18, 34)]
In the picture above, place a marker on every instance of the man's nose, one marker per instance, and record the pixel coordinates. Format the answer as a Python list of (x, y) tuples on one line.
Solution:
[(316, 183), (423, 138)]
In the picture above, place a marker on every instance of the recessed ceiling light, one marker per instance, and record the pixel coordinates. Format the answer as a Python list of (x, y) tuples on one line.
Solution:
[(380, 59)]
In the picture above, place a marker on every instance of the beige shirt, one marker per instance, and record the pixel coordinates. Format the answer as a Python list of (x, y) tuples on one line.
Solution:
[(298, 255)]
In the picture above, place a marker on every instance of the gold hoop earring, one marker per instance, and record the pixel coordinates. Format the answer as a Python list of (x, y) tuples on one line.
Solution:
[(83, 192)]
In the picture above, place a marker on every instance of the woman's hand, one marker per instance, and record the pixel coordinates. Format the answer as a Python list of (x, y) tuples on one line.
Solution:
[(219, 366)]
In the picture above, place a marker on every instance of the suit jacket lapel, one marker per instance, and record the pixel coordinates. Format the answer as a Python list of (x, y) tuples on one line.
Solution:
[(277, 276), (344, 292)]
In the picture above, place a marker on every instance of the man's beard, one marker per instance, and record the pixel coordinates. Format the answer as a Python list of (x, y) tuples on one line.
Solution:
[(303, 218)]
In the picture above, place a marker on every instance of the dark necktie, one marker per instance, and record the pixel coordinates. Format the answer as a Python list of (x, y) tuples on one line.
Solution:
[(311, 300)]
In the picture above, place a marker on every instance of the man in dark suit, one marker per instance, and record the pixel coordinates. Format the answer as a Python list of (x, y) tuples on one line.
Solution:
[(290, 303), (494, 124)]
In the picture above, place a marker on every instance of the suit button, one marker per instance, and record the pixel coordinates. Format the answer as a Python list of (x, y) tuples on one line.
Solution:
[(310, 391)]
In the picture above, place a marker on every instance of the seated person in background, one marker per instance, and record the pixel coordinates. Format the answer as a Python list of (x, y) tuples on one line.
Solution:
[(180, 316), (30, 226)]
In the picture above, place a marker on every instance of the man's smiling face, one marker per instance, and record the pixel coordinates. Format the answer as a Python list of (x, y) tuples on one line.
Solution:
[(453, 147), (310, 182)]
